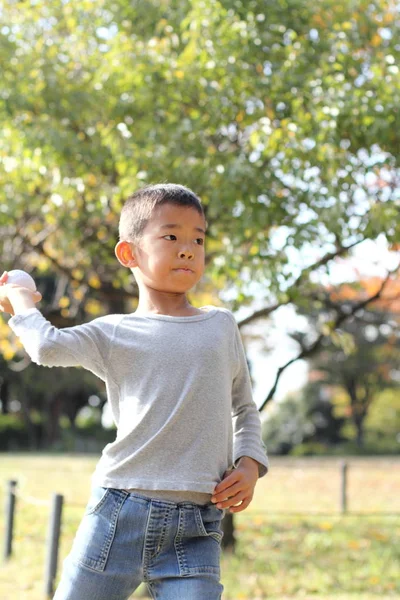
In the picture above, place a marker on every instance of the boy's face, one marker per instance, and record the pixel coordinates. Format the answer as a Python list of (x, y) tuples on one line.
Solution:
[(169, 256)]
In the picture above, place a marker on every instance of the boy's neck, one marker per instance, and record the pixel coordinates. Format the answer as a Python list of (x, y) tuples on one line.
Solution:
[(174, 305)]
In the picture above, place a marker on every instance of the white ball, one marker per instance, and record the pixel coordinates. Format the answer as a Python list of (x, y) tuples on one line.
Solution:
[(21, 278)]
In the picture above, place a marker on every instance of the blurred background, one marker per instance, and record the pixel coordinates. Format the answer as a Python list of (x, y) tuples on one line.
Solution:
[(283, 117)]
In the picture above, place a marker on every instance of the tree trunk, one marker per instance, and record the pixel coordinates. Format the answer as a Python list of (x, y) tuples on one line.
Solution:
[(53, 417), (359, 409), (359, 423), (228, 527), (5, 396), (29, 425)]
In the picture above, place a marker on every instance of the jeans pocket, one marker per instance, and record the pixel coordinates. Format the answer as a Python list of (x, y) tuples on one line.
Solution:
[(209, 520), (96, 531), (98, 496), (198, 541)]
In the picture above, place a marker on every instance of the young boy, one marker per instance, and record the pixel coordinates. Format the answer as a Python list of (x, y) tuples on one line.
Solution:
[(188, 442)]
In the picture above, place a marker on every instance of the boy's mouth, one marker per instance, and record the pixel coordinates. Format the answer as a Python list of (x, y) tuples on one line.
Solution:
[(184, 270)]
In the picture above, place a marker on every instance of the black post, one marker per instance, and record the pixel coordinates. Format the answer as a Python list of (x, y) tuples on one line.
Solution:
[(52, 543), (10, 511), (343, 505)]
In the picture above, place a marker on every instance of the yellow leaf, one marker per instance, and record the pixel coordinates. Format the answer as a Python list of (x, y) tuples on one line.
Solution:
[(93, 307), (63, 302), (102, 234), (376, 40), (254, 139), (94, 282), (381, 537), (78, 294), (78, 274), (50, 219), (326, 526), (91, 179), (8, 353), (110, 218)]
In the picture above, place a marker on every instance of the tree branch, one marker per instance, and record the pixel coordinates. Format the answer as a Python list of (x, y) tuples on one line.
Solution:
[(264, 312), (341, 318)]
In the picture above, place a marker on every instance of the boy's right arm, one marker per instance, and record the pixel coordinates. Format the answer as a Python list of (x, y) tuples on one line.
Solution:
[(15, 299), (85, 345)]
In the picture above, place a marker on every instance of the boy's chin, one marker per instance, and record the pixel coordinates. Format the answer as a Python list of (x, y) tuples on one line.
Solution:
[(180, 291)]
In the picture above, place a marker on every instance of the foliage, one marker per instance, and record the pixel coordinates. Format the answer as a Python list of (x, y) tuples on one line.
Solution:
[(41, 396), (284, 120), (303, 425), (384, 415), (12, 433), (362, 356), (87, 437), (304, 419)]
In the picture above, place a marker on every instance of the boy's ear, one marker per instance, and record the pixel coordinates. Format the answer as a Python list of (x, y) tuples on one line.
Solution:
[(124, 253)]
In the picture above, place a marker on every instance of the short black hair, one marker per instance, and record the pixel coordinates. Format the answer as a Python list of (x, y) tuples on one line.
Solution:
[(139, 207)]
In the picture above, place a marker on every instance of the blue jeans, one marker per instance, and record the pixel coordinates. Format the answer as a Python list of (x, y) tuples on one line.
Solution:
[(125, 539)]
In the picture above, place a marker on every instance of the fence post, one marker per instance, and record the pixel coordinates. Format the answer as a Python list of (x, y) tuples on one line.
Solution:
[(10, 512), (52, 543), (343, 499)]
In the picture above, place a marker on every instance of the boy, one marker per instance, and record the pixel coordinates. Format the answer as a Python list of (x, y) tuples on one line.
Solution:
[(188, 442)]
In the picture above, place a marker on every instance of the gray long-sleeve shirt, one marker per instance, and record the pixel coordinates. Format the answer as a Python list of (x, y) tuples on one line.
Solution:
[(179, 391)]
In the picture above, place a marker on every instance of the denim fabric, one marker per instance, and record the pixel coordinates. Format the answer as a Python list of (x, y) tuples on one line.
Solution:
[(125, 538)]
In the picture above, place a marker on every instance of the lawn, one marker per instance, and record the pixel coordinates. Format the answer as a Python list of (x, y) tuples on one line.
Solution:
[(292, 541)]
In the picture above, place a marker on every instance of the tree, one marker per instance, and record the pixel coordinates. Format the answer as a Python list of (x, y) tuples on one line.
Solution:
[(363, 355), (284, 121), (307, 416)]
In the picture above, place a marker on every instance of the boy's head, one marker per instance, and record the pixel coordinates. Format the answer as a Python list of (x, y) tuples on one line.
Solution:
[(162, 233), (139, 207)]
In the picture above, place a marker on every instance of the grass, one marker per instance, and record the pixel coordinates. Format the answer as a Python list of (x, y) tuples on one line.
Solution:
[(292, 541)]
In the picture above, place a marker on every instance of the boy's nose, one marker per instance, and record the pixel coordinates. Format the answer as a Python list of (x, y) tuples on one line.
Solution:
[(185, 254)]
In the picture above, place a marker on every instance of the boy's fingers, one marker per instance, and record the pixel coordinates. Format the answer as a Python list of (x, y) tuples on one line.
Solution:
[(242, 506), (234, 489), (235, 499), (227, 482)]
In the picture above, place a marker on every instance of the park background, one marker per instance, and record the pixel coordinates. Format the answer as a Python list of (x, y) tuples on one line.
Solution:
[(284, 118)]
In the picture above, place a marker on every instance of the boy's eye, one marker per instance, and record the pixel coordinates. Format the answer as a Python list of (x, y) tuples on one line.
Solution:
[(170, 237), (200, 241)]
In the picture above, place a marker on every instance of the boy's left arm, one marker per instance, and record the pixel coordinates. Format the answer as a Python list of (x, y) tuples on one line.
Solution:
[(236, 489), (250, 462)]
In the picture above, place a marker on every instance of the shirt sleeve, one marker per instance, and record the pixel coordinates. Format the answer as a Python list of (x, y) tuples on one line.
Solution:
[(84, 345), (247, 440)]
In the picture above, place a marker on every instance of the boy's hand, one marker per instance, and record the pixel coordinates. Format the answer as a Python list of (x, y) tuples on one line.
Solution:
[(236, 489), (12, 291)]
